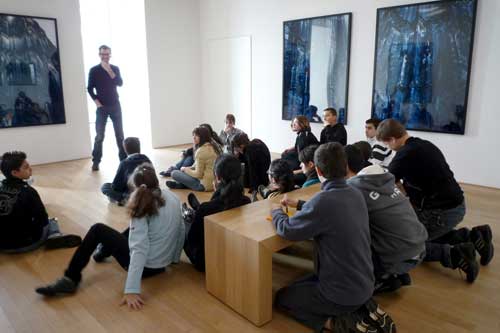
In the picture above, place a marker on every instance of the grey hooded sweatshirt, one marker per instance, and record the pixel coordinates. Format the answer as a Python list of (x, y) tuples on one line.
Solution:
[(397, 234)]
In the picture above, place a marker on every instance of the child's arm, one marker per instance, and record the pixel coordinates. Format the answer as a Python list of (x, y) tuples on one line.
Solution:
[(198, 167), (139, 247), (40, 216)]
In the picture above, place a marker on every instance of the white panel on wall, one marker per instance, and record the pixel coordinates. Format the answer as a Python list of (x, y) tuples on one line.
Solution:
[(228, 78)]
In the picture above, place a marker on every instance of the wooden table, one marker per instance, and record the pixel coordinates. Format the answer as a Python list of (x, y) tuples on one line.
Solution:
[(239, 244)]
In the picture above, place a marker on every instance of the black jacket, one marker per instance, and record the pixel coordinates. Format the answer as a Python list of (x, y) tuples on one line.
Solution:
[(125, 169), (22, 214), (194, 246), (257, 159), (305, 138), (335, 133)]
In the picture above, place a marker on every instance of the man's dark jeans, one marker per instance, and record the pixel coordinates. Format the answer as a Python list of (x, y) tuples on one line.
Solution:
[(115, 113)]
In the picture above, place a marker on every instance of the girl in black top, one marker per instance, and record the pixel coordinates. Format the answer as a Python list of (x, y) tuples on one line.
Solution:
[(300, 125)]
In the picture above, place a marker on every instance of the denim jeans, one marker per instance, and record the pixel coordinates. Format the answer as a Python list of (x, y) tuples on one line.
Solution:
[(50, 229), (115, 113), (188, 181), (440, 224), (185, 162), (107, 190)]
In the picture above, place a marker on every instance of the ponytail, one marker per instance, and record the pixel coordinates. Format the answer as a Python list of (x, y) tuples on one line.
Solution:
[(146, 199)]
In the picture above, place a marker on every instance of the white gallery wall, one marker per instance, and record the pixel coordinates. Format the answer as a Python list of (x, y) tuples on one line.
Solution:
[(173, 41), (473, 157), (68, 141)]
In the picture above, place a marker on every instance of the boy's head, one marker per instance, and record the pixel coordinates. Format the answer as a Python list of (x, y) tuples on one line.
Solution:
[(371, 127), (365, 149), (240, 141), (132, 145), (355, 160), (392, 133), (330, 116), (15, 165), (330, 161), (306, 158), (230, 120)]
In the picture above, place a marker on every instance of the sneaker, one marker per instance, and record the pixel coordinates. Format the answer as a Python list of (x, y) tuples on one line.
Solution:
[(405, 279), (263, 191), (95, 166), (193, 201), (99, 256), (463, 256), (174, 185), (168, 172), (63, 241), (187, 213), (482, 238), (63, 285), (390, 284), (374, 315)]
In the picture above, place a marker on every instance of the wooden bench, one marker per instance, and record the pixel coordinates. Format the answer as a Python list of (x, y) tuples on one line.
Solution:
[(239, 244)]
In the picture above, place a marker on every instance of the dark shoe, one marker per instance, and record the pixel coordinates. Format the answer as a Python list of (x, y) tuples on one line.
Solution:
[(376, 317), (187, 213), (193, 201), (99, 256), (254, 196), (405, 279), (463, 256), (62, 286), (482, 238), (95, 166), (63, 241), (175, 185), (263, 191), (387, 285), (168, 172)]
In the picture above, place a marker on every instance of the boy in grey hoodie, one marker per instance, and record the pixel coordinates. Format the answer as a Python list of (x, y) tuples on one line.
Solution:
[(398, 238)]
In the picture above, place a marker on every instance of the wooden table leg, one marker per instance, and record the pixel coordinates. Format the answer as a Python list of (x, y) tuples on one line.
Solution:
[(239, 272)]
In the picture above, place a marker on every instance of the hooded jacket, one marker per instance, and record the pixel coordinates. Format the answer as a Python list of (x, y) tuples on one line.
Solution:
[(397, 234)]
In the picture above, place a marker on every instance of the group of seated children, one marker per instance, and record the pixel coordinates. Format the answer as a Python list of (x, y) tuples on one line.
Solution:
[(370, 225)]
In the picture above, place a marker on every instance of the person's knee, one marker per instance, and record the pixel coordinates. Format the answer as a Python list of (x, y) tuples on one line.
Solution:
[(105, 188), (99, 138), (282, 299), (175, 174), (98, 227)]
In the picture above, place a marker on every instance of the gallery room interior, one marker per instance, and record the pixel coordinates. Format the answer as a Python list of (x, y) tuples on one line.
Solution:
[(426, 73)]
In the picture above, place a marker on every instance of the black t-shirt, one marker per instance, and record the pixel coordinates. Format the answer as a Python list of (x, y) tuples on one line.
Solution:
[(335, 133), (104, 85), (426, 175)]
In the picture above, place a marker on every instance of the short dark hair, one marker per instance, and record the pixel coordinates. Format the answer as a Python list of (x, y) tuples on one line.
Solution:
[(282, 173), (331, 110), (390, 128), (132, 145), (240, 139), (12, 161), (306, 155), (355, 159), (373, 121), (104, 47), (230, 117), (365, 149), (331, 160)]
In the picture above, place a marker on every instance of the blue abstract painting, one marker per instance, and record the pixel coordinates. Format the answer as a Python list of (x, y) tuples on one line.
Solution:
[(422, 64), (316, 66)]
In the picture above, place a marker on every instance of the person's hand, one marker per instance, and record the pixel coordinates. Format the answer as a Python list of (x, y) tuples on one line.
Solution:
[(98, 103), (133, 301), (289, 202), (228, 128), (298, 172), (183, 169), (108, 69), (275, 206)]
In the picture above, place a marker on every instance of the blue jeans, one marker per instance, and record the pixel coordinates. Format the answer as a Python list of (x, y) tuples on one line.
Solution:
[(115, 113), (188, 181), (440, 225), (107, 190), (185, 162), (50, 229)]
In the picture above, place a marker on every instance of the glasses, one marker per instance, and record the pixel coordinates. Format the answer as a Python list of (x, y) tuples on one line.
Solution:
[(105, 54)]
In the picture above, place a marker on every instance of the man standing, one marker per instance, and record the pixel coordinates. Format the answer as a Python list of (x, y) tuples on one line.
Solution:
[(103, 80)]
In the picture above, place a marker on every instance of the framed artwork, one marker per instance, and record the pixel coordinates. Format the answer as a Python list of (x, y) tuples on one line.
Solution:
[(422, 65), (31, 90), (316, 55)]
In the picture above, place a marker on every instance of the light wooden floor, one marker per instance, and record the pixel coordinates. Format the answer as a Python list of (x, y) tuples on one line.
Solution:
[(438, 301)]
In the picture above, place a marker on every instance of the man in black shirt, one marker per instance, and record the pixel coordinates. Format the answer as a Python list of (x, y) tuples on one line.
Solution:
[(437, 199), (333, 131), (103, 80)]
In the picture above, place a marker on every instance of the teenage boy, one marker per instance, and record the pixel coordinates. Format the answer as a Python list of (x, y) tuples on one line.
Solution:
[(437, 199), (256, 157), (398, 238), (381, 154), (118, 191), (24, 220), (306, 158), (228, 133), (333, 131), (344, 279)]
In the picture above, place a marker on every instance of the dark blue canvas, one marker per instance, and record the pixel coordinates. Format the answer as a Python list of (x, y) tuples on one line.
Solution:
[(316, 66), (422, 64)]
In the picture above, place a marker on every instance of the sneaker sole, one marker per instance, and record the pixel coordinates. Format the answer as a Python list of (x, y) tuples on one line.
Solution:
[(66, 241)]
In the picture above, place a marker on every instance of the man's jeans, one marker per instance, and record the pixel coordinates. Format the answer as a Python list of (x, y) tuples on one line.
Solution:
[(440, 225), (102, 114)]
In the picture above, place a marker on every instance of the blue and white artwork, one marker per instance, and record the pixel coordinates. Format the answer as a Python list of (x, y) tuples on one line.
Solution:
[(422, 64), (30, 73), (316, 66)]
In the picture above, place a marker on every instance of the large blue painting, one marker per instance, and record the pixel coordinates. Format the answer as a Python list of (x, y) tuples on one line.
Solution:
[(422, 64), (30, 73), (316, 66)]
